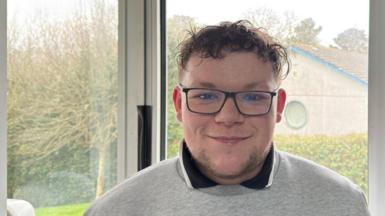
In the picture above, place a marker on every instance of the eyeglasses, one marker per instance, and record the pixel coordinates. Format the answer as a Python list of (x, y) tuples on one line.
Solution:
[(211, 101)]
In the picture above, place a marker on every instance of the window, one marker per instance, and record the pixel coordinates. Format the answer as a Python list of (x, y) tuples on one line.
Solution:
[(295, 115), (62, 102), (326, 117), (78, 89), (127, 154)]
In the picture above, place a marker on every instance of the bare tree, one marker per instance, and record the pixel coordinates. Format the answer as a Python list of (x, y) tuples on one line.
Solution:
[(63, 87), (280, 27)]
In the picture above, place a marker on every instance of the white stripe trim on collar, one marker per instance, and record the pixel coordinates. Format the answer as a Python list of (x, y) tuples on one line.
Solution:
[(188, 181), (271, 176)]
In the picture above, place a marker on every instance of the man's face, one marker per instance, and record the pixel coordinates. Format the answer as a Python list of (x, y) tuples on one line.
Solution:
[(229, 147)]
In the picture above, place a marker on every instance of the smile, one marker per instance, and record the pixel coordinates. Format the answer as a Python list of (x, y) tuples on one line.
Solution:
[(229, 139)]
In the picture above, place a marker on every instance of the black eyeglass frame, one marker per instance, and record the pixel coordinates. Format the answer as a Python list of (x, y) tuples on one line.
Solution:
[(227, 95)]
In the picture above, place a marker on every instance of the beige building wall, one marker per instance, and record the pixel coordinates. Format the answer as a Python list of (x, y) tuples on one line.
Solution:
[(335, 104)]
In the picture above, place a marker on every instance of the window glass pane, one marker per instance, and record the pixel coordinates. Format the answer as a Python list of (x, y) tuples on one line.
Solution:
[(62, 102), (326, 114), (295, 114)]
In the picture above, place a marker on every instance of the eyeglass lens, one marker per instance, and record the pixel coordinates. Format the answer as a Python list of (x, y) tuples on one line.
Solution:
[(211, 101)]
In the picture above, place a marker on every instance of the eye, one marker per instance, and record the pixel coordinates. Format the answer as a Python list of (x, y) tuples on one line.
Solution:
[(254, 97), (251, 97), (207, 96), (204, 95)]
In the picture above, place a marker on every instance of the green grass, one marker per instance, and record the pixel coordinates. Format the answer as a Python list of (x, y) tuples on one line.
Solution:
[(67, 210)]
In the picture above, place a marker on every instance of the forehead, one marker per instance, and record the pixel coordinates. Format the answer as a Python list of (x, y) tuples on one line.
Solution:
[(235, 71)]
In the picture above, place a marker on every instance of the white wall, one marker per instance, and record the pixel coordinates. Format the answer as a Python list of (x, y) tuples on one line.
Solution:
[(335, 104)]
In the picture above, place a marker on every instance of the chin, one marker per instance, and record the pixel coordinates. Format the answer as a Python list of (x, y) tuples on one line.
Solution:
[(229, 167), (228, 173)]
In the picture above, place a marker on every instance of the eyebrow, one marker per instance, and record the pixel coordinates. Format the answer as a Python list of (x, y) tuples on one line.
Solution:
[(206, 85), (246, 87), (252, 85)]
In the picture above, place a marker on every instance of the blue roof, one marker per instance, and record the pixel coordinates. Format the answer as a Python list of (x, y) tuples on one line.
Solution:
[(329, 65)]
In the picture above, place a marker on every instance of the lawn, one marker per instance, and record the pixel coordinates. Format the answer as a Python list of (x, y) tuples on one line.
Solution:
[(67, 210)]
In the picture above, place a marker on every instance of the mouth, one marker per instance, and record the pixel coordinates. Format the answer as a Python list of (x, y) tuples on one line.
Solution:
[(229, 139)]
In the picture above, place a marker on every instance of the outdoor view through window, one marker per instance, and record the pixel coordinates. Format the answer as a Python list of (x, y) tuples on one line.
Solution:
[(62, 102), (326, 113), (62, 89)]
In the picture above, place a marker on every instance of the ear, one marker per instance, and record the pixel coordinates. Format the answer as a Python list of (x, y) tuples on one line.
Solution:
[(177, 99), (280, 104)]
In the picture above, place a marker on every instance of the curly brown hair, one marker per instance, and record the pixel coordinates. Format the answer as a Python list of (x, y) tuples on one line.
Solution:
[(241, 36)]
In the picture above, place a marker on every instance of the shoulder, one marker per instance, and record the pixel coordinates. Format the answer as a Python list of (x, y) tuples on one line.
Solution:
[(295, 165), (317, 182), (133, 191), (304, 170)]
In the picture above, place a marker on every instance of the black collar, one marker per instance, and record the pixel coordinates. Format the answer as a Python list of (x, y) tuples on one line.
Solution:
[(198, 180)]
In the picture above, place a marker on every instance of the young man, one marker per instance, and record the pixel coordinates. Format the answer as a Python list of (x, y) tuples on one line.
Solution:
[(228, 102)]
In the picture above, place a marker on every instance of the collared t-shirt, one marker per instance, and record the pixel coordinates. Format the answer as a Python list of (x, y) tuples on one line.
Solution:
[(300, 188), (199, 180)]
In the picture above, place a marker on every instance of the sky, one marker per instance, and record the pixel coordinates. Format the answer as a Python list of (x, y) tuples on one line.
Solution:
[(52, 9), (334, 16)]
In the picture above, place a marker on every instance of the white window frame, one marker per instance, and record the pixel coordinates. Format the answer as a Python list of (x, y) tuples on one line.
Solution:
[(376, 133), (153, 79), (130, 83), (3, 107), (139, 79)]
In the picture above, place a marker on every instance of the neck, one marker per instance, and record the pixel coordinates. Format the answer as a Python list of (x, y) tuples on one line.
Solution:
[(231, 179), (249, 172)]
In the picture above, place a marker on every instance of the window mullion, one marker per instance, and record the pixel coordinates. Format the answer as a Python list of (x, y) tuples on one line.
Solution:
[(376, 135), (3, 106), (131, 83), (152, 17)]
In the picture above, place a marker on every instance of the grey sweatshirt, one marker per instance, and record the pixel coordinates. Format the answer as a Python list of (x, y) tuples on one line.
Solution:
[(299, 188)]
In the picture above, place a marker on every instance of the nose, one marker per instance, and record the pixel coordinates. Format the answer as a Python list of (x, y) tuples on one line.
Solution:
[(229, 114)]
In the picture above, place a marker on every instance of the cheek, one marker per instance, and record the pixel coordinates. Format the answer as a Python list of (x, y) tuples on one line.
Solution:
[(267, 122), (194, 125), (264, 127)]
